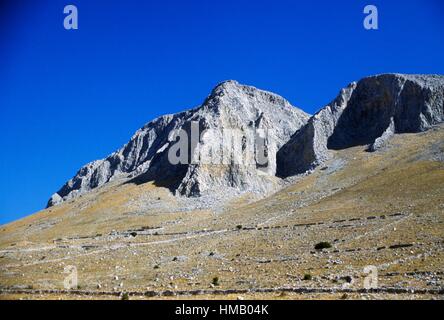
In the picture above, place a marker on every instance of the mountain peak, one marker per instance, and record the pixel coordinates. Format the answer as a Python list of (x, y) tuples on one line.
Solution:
[(227, 84)]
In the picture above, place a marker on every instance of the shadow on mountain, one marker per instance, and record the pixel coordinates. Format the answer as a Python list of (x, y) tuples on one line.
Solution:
[(170, 181), (366, 118)]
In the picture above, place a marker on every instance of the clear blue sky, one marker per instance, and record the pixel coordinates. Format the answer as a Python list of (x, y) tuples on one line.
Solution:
[(69, 97)]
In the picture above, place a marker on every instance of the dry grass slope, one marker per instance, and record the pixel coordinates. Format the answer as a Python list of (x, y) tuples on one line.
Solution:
[(384, 209)]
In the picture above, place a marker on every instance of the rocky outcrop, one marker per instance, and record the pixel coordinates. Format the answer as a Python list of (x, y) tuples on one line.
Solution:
[(233, 112), (365, 113), (308, 147)]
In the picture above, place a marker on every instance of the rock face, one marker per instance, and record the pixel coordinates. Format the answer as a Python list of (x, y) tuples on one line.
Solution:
[(365, 113), (259, 120)]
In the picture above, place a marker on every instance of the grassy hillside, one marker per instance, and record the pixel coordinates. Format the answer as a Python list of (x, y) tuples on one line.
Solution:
[(384, 209)]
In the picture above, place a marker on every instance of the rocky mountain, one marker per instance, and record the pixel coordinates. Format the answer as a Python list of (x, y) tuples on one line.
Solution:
[(244, 138), (232, 111), (365, 113), (318, 235)]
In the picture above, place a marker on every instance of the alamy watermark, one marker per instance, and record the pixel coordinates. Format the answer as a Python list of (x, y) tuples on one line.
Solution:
[(70, 281), (371, 280), (371, 20), (222, 146), (71, 21)]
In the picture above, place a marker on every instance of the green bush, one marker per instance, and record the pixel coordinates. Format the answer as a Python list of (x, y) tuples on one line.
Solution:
[(307, 277), (215, 281), (322, 245)]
